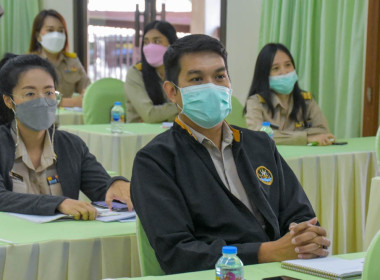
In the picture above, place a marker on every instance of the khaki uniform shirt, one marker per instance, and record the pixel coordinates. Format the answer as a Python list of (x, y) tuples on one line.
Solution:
[(286, 131), (40, 180), (71, 75), (140, 107)]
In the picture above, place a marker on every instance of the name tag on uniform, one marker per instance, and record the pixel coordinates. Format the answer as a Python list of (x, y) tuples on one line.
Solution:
[(16, 176), (51, 180), (70, 70), (306, 124)]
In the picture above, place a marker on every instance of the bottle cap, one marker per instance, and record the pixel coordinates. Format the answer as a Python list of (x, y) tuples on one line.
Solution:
[(229, 250), (266, 123), (117, 103)]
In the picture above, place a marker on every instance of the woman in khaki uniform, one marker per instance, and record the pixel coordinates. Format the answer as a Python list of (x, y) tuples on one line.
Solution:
[(146, 100), (275, 97), (43, 169), (49, 40)]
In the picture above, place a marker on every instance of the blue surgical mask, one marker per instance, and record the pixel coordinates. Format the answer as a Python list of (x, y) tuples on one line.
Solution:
[(206, 104), (283, 84)]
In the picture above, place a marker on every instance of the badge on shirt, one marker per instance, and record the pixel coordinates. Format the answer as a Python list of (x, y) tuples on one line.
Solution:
[(264, 175), (72, 69), (51, 180), (16, 176), (306, 124)]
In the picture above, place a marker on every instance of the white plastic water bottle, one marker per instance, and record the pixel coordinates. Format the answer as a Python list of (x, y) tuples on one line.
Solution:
[(229, 266), (266, 127), (117, 117)]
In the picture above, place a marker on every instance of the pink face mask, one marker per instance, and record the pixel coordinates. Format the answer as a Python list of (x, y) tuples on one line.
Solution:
[(154, 54)]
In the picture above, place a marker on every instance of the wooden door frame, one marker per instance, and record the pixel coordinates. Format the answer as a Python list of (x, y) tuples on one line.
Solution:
[(372, 71), (80, 31)]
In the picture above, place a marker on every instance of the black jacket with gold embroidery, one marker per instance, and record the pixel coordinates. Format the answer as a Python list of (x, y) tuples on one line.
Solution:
[(189, 214)]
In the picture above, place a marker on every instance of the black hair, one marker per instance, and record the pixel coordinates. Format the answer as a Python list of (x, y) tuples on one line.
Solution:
[(11, 67), (260, 82), (150, 77), (190, 44)]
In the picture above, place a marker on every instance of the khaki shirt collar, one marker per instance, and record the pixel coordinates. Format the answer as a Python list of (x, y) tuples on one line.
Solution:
[(276, 102), (61, 57), (227, 135), (48, 156)]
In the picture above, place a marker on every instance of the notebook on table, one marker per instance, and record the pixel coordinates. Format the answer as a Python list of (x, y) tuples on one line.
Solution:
[(329, 267), (104, 215)]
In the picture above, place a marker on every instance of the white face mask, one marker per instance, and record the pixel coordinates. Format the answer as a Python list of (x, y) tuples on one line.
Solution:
[(53, 42)]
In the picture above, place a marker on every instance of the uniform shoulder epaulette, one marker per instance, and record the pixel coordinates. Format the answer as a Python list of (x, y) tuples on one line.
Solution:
[(70, 54), (138, 66), (306, 95), (261, 99)]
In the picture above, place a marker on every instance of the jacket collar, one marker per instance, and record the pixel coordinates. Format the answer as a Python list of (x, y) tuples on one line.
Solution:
[(236, 133)]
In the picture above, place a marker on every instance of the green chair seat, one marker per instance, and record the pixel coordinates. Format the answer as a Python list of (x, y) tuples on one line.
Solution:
[(377, 148), (99, 98), (236, 117), (371, 269), (148, 260)]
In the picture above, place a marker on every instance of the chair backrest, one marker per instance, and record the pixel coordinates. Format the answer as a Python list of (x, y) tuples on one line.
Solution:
[(371, 269), (148, 260), (236, 117), (99, 99), (378, 147)]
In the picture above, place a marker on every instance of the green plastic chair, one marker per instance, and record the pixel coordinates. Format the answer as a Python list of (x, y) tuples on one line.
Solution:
[(378, 146), (148, 261), (236, 116), (371, 269), (99, 99)]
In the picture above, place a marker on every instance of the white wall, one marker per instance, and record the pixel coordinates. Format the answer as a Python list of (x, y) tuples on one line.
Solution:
[(243, 25), (65, 8), (205, 17)]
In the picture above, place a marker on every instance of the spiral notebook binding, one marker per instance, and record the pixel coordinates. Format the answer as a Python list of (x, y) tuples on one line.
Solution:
[(311, 271)]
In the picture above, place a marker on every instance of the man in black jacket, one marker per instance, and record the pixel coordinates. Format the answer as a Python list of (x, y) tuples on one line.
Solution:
[(204, 184)]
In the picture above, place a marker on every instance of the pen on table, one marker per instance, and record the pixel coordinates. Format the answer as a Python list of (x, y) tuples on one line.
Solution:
[(6, 241), (315, 143)]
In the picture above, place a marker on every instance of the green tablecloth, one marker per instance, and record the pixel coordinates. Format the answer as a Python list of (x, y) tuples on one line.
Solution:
[(67, 116), (116, 151), (128, 129), (67, 249), (335, 178), (337, 181), (251, 272), (356, 145)]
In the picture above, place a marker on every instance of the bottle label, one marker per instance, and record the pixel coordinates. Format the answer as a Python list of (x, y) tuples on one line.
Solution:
[(230, 274), (115, 116)]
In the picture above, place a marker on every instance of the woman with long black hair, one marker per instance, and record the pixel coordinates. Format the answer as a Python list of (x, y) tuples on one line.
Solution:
[(276, 97), (146, 100)]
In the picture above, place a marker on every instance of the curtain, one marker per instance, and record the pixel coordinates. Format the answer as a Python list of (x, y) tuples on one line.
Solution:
[(16, 25), (327, 40)]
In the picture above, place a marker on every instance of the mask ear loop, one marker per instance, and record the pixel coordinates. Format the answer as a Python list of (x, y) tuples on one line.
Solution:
[(52, 139), (17, 132), (177, 88)]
